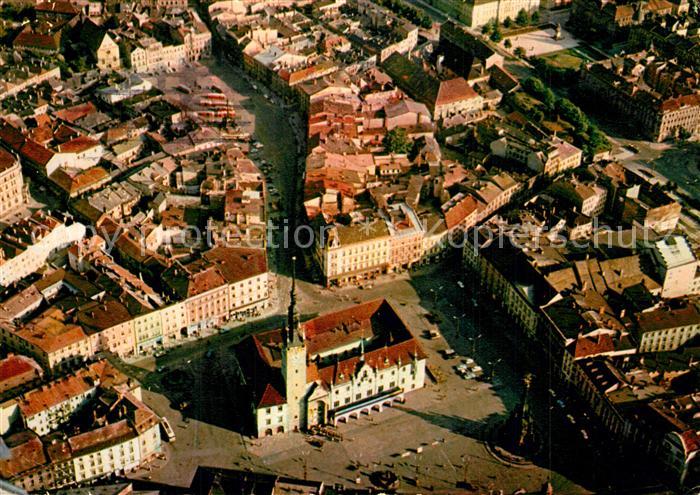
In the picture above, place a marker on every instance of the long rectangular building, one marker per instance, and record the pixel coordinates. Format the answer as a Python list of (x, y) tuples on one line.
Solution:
[(330, 368)]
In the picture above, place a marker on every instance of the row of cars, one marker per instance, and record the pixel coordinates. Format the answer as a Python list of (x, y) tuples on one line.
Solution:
[(466, 368), (469, 370)]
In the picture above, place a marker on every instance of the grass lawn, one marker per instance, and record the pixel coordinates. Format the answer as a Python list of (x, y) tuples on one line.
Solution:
[(588, 52), (526, 102), (564, 59)]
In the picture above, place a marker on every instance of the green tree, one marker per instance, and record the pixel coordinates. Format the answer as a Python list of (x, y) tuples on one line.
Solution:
[(397, 141), (570, 112), (507, 22), (549, 100), (535, 17), (534, 86), (695, 8), (520, 52), (537, 115), (496, 35), (523, 18), (684, 134), (486, 28), (507, 44)]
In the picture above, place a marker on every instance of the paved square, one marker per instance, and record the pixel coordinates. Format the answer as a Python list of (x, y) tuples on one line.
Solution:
[(540, 42), (435, 435)]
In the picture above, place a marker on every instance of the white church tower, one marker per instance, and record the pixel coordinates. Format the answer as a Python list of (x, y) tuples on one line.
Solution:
[(294, 363)]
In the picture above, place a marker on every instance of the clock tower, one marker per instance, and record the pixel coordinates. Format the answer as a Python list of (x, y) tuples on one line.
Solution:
[(294, 362)]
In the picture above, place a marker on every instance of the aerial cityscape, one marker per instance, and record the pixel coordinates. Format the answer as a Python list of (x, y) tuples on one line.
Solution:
[(329, 247)]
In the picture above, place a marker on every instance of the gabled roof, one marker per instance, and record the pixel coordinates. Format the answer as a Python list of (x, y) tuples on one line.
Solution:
[(7, 160), (41, 41), (385, 357), (82, 181), (77, 145), (271, 397), (76, 112), (92, 35), (26, 452), (454, 90), (462, 210), (57, 7), (55, 393), (237, 264), (593, 345), (29, 150), (16, 365), (663, 319)]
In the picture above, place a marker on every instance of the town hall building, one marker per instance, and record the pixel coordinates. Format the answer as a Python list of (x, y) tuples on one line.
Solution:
[(331, 368)]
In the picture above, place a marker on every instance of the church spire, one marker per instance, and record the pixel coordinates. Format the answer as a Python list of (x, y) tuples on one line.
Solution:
[(294, 337)]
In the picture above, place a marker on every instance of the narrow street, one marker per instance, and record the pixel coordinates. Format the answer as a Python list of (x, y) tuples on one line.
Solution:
[(279, 130)]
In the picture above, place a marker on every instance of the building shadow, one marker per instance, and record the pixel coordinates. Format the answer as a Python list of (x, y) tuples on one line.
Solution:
[(472, 331), (476, 429), (210, 386)]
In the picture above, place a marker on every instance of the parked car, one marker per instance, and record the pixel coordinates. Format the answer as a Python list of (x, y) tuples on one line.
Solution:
[(167, 429)]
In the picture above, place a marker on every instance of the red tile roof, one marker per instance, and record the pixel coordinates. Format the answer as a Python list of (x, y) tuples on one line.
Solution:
[(236, 264), (30, 39), (41, 134), (58, 7), (676, 103), (271, 397), (662, 319), (333, 329), (591, 346), (204, 281), (98, 316), (53, 394), (85, 180), (7, 160), (76, 112), (101, 437), (26, 148), (77, 145), (11, 136), (13, 366), (453, 90), (691, 442), (382, 358), (36, 153), (459, 212), (26, 452), (50, 342)]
